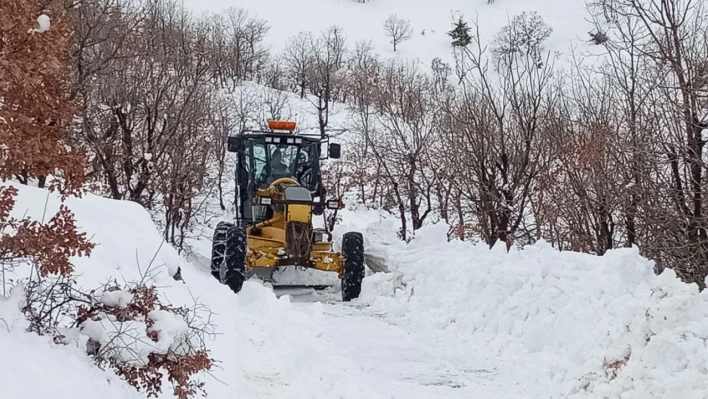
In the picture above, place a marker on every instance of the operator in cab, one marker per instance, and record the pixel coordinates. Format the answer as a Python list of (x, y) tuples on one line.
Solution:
[(278, 169)]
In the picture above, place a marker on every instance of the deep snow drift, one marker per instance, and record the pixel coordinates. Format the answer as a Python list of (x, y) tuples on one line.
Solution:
[(128, 245), (556, 324)]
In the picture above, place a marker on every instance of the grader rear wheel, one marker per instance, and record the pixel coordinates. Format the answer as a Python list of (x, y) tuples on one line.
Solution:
[(218, 247)]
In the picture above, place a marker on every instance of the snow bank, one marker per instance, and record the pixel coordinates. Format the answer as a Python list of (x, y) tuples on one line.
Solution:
[(264, 346), (34, 367), (562, 323), (127, 242), (129, 248)]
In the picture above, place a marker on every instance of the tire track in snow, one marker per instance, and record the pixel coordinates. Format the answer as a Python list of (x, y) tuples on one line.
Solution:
[(391, 362)]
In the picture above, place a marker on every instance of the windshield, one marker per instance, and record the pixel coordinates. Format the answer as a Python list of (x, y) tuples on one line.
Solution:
[(274, 161)]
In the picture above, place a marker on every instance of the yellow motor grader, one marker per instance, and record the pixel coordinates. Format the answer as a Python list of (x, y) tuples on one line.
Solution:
[(278, 190)]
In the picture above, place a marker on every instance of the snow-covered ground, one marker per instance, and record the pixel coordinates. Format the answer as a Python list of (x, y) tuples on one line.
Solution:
[(452, 320), (551, 324), (34, 367)]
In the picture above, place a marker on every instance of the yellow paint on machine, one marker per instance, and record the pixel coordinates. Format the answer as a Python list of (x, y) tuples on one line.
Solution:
[(267, 240), (299, 213)]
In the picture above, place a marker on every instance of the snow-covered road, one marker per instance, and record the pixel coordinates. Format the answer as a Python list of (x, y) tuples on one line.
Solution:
[(357, 352), (451, 320), (402, 364)]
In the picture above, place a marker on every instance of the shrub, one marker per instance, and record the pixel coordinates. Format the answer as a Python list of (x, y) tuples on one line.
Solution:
[(125, 328), (130, 330)]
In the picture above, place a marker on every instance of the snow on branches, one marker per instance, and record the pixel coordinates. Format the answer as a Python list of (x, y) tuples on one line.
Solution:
[(126, 328), (141, 338)]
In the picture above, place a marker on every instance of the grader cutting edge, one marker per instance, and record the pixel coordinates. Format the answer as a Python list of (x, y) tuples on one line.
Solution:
[(278, 178)]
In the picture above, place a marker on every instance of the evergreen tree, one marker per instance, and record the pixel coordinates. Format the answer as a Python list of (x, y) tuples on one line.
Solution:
[(460, 34)]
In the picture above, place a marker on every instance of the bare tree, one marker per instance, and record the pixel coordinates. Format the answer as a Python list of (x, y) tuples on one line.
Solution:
[(365, 69), (628, 75), (523, 35), (243, 55), (144, 103), (499, 131), (405, 130), (670, 36), (325, 75), (298, 58), (103, 33), (399, 30), (230, 114), (274, 74), (579, 198)]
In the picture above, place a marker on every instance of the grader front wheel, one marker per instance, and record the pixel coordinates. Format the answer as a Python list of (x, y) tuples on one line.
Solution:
[(353, 253), (232, 271)]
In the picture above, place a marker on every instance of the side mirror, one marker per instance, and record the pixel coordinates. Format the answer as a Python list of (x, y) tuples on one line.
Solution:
[(335, 151), (234, 144)]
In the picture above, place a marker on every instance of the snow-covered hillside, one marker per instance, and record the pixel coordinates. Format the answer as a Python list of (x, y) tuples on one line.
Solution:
[(452, 320), (430, 20)]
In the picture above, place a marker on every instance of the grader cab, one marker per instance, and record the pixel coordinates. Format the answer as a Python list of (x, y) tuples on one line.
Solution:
[(278, 190)]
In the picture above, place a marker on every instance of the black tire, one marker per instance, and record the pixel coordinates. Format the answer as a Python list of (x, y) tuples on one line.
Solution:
[(353, 252), (218, 247), (233, 269)]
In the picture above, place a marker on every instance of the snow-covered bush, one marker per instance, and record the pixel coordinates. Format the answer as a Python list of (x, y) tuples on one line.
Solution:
[(126, 328), (130, 330), (524, 35)]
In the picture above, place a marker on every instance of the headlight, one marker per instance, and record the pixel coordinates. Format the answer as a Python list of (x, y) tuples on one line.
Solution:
[(317, 236)]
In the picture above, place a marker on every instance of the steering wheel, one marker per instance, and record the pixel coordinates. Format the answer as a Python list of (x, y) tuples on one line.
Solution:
[(287, 180), (284, 180)]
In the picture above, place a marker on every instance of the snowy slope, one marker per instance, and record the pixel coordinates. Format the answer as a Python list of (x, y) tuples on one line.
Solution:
[(34, 367), (431, 20), (248, 345), (126, 242)]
